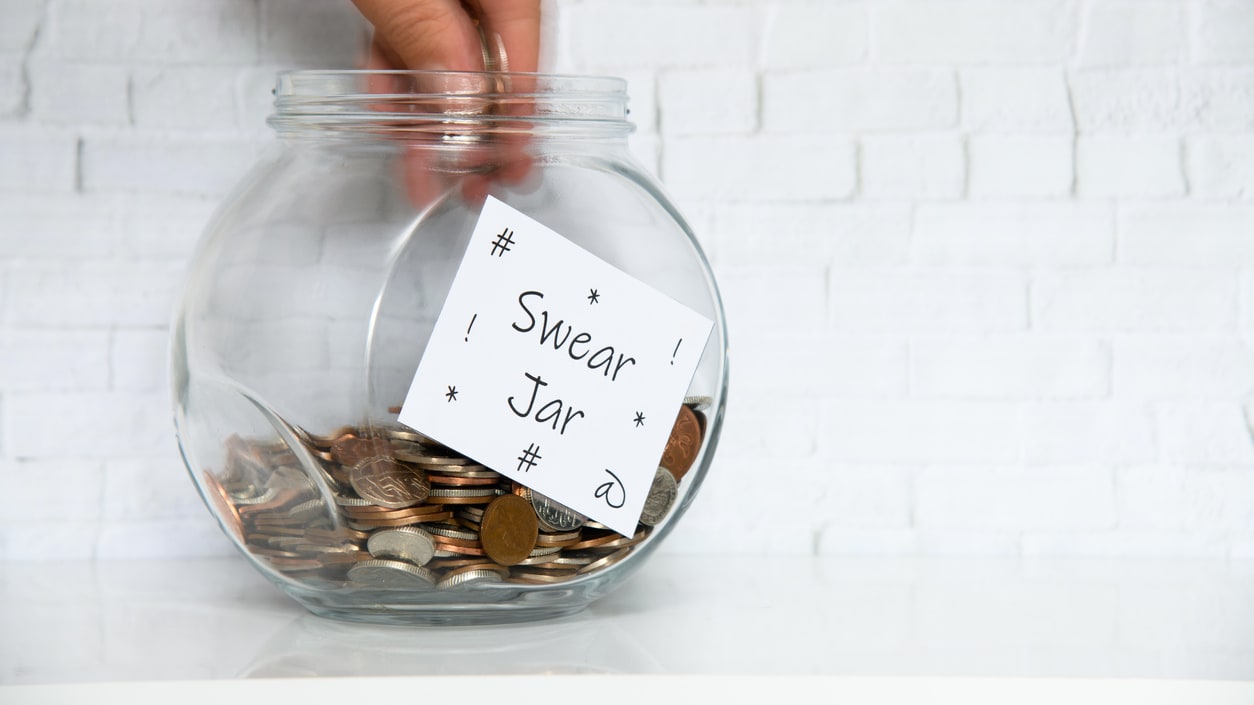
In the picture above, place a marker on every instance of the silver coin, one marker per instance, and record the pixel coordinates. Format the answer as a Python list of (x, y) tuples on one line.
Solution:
[(391, 575), (661, 498), (259, 499), (406, 543), (698, 402), (308, 510), (470, 576), (554, 515)]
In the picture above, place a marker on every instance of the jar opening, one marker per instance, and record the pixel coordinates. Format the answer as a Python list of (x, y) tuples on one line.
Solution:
[(407, 102)]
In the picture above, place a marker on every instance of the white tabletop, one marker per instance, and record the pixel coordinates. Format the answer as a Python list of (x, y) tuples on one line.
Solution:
[(120, 622)]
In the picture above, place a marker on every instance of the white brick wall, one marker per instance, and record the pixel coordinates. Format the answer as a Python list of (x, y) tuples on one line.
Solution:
[(988, 266)]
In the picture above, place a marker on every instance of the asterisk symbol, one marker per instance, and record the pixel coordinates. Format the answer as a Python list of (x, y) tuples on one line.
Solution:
[(639, 419), (594, 297), (451, 393)]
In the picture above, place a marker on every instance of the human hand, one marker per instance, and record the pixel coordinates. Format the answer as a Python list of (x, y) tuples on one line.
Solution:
[(453, 35)]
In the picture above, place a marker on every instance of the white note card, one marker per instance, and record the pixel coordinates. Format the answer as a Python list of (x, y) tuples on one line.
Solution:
[(556, 369)]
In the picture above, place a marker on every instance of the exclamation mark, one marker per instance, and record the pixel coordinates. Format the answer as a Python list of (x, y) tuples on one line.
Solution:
[(472, 325), (681, 340)]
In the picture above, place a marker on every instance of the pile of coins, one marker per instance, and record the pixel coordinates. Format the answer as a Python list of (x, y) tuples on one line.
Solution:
[(389, 508)]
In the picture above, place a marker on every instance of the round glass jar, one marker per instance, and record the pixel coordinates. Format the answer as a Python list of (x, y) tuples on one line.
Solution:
[(314, 292)]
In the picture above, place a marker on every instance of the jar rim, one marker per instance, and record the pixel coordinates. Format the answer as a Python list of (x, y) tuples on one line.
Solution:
[(428, 100)]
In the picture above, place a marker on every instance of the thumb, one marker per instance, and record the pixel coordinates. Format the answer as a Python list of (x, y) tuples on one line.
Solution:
[(425, 34)]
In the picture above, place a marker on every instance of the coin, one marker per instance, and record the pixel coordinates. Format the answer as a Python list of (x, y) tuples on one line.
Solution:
[(406, 543), (478, 573), (661, 498), (227, 512), (349, 449), (683, 445), (555, 516), (509, 529), (698, 402), (389, 484), (391, 575)]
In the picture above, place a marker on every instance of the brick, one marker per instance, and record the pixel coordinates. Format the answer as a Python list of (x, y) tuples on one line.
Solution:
[(1187, 234), (62, 540), (972, 32), (59, 226), (178, 31), (144, 489), (1133, 300), (53, 360), (1186, 498), (92, 294), (758, 298), (921, 432), (642, 100), (78, 94), (610, 35), (1020, 165), (860, 496), (760, 168), (916, 301), (37, 160), (12, 86), (912, 167), (25, 488), (190, 165), (139, 359), (1221, 166), (87, 424), (778, 431), (814, 35), (1013, 234), (708, 102), (1014, 367), (1118, 166), (1223, 32), (806, 233), (1246, 303), (1219, 99), (21, 22), (1182, 367), (1062, 432), (162, 227), (1127, 33), (823, 366), (314, 33), (184, 97), (1065, 497), (859, 99), (1204, 432), (1126, 100), (170, 538), (1015, 100), (254, 98)]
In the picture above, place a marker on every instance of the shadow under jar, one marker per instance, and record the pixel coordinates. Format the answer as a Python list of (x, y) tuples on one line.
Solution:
[(314, 292)]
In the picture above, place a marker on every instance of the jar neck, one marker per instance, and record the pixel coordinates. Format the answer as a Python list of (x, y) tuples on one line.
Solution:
[(449, 107)]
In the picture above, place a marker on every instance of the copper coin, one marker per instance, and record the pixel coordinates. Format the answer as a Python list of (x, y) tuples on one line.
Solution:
[(509, 529), (348, 450), (683, 445), (227, 512), (389, 484)]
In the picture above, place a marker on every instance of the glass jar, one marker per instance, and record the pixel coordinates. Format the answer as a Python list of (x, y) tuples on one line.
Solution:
[(314, 293)]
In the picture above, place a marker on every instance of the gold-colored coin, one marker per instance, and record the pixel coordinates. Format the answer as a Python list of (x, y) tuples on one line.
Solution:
[(389, 484), (509, 529)]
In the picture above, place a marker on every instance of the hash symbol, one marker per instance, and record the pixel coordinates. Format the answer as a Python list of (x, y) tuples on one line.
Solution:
[(502, 242), (528, 457)]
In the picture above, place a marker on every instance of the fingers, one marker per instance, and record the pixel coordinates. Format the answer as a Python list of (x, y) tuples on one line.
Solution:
[(517, 24), (424, 34)]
